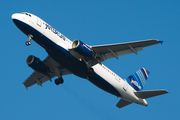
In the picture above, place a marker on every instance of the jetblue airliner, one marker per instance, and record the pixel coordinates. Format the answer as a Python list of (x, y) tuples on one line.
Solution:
[(67, 57)]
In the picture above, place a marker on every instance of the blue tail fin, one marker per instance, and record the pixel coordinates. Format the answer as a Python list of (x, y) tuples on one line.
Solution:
[(138, 79)]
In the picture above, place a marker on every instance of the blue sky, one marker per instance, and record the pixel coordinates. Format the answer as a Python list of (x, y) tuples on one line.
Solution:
[(95, 23)]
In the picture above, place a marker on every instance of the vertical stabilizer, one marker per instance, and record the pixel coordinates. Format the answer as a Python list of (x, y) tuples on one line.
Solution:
[(138, 79)]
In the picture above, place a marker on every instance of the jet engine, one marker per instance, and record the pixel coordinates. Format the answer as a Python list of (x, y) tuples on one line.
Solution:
[(37, 65), (82, 48)]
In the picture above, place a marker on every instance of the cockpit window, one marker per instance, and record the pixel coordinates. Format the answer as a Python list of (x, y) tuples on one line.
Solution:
[(27, 14)]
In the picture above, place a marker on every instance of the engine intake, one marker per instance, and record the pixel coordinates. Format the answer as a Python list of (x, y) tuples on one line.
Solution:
[(37, 65), (82, 48)]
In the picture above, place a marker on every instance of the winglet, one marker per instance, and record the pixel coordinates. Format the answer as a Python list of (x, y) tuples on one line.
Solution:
[(161, 42)]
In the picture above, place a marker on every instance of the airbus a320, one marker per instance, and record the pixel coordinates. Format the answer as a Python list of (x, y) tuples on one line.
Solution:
[(75, 57)]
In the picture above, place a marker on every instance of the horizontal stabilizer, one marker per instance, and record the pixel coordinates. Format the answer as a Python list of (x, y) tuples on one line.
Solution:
[(148, 94), (123, 103)]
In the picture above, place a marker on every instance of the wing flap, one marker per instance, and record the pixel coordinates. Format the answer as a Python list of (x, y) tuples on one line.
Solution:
[(123, 103), (120, 53), (31, 80), (150, 93), (52, 75)]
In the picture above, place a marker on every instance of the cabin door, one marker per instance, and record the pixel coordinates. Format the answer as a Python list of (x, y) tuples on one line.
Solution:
[(39, 22), (125, 85)]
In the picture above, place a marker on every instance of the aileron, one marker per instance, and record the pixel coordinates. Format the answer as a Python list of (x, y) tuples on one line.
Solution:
[(119, 53)]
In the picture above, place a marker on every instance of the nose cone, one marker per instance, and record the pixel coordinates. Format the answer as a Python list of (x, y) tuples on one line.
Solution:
[(15, 16), (17, 19)]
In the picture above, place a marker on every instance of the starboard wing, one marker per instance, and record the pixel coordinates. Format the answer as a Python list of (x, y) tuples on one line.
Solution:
[(39, 78)]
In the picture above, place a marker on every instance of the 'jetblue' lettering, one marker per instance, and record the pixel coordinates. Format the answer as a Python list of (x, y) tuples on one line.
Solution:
[(55, 31)]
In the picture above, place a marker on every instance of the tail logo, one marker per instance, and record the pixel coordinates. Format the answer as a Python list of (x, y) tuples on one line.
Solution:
[(135, 83), (138, 79)]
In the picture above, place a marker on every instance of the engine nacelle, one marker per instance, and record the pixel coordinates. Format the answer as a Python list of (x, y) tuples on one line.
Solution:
[(82, 48), (37, 65)]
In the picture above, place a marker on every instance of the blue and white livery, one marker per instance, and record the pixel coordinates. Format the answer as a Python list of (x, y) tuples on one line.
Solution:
[(67, 57), (138, 79)]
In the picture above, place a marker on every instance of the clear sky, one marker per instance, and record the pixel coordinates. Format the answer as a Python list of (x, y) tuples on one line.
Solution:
[(95, 23)]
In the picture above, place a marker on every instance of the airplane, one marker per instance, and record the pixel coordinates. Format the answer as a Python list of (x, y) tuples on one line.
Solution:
[(75, 57)]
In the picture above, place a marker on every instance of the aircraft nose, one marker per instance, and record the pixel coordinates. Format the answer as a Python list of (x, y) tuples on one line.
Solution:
[(14, 19), (14, 16)]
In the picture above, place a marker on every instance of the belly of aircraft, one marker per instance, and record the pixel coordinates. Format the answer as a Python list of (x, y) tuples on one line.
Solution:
[(103, 84), (78, 68)]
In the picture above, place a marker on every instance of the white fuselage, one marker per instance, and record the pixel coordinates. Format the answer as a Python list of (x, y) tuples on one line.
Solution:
[(119, 84)]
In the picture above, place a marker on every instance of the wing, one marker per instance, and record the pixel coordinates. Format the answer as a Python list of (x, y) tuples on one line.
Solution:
[(39, 78), (115, 50)]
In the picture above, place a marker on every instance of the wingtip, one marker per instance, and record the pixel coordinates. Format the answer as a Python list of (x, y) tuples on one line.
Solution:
[(166, 91), (161, 42)]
